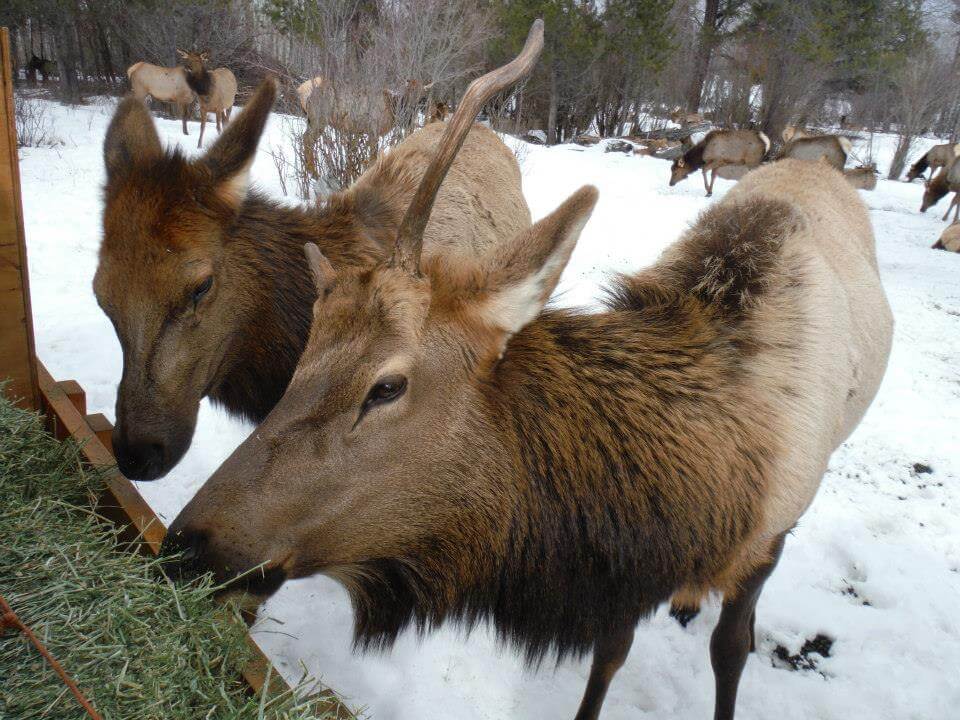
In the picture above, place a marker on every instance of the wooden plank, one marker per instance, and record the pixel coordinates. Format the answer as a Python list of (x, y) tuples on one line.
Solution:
[(17, 355), (103, 429), (76, 394), (126, 506), (67, 421)]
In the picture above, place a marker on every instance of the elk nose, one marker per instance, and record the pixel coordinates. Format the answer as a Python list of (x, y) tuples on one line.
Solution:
[(184, 553), (139, 458)]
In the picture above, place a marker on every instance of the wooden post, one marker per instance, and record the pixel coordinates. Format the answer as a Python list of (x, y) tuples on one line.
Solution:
[(17, 354)]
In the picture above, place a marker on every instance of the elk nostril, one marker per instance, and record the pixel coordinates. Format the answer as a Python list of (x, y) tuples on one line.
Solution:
[(194, 548)]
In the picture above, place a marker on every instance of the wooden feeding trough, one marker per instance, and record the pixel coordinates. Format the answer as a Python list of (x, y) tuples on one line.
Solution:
[(63, 403)]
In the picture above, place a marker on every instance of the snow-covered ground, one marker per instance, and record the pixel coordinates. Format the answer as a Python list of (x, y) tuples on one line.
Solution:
[(874, 564)]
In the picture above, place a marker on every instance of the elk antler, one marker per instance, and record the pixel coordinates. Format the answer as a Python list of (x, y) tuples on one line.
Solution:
[(406, 253)]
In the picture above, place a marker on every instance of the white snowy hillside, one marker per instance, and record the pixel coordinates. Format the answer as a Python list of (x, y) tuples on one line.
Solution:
[(873, 567)]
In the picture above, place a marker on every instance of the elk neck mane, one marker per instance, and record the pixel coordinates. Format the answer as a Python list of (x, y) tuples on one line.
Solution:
[(200, 82), (644, 396), (694, 156), (353, 228)]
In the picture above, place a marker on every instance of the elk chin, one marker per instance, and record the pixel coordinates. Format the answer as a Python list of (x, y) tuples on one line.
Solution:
[(147, 452)]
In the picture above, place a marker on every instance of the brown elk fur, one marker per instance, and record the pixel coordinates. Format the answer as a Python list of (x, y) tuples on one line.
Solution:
[(718, 149), (165, 84), (832, 149), (936, 157), (216, 90), (170, 222), (950, 239), (943, 183), (562, 473)]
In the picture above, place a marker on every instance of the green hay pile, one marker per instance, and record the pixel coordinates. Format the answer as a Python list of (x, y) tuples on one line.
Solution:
[(138, 646)]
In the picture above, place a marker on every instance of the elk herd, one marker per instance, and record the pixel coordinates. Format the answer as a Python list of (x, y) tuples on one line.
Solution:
[(732, 153), (434, 437)]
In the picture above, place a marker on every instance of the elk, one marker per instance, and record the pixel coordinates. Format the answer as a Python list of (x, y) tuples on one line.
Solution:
[(719, 148), (832, 149), (792, 132), (944, 182), (936, 157), (863, 177), (449, 450), (392, 106), (216, 90), (203, 277), (949, 239), (686, 118), (439, 112), (166, 84)]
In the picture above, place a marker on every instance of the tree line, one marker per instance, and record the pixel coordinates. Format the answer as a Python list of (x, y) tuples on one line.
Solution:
[(610, 68)]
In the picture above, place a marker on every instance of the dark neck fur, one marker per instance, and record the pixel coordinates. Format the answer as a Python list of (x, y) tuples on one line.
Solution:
[(266, 242), (606, 467), (694, 156), (199, 82)]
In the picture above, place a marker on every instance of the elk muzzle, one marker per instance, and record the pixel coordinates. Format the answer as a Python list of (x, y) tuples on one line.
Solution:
[(149, 438), (189, 553)]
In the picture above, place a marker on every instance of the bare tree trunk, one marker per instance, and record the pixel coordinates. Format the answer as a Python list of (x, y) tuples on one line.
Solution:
[(904, 143), (67, 58), (552, 112), (707, 41)]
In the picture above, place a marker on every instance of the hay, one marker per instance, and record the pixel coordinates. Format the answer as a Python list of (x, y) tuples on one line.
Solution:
[(139, 647)]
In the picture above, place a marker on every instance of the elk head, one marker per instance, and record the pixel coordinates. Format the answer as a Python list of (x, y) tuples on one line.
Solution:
[(934, 190), (194, 62), (679, 170), (164, 279), (359, 460)]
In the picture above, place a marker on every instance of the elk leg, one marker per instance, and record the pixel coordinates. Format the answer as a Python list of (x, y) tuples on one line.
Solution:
[(186, 111), (732, 638), (203, 123), (713, 179), (609, 654), (950, 206), (219, 118), (706, 187)]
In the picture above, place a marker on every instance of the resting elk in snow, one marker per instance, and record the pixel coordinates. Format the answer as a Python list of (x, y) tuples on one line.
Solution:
[(216, 90), (944, 182), (165, 84), (449, 450), (936, 157), (204, 281), (949, 239), (717, 149)]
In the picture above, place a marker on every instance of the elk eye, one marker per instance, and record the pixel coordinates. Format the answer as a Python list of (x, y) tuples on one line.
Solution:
[(384, 390), (202, 289)]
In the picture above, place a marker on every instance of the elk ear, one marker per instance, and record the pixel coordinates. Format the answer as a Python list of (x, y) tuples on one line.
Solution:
[(323, 272), (529, 269), (131, 138), (181, 53), (231, 156)]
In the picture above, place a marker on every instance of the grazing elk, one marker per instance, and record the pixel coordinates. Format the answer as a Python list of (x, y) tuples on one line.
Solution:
[(944, 182), (203, 278), (936, 157), (165, 84), (949, 239), (216, 90), (832, 149), (719, 148), (449, 450)]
